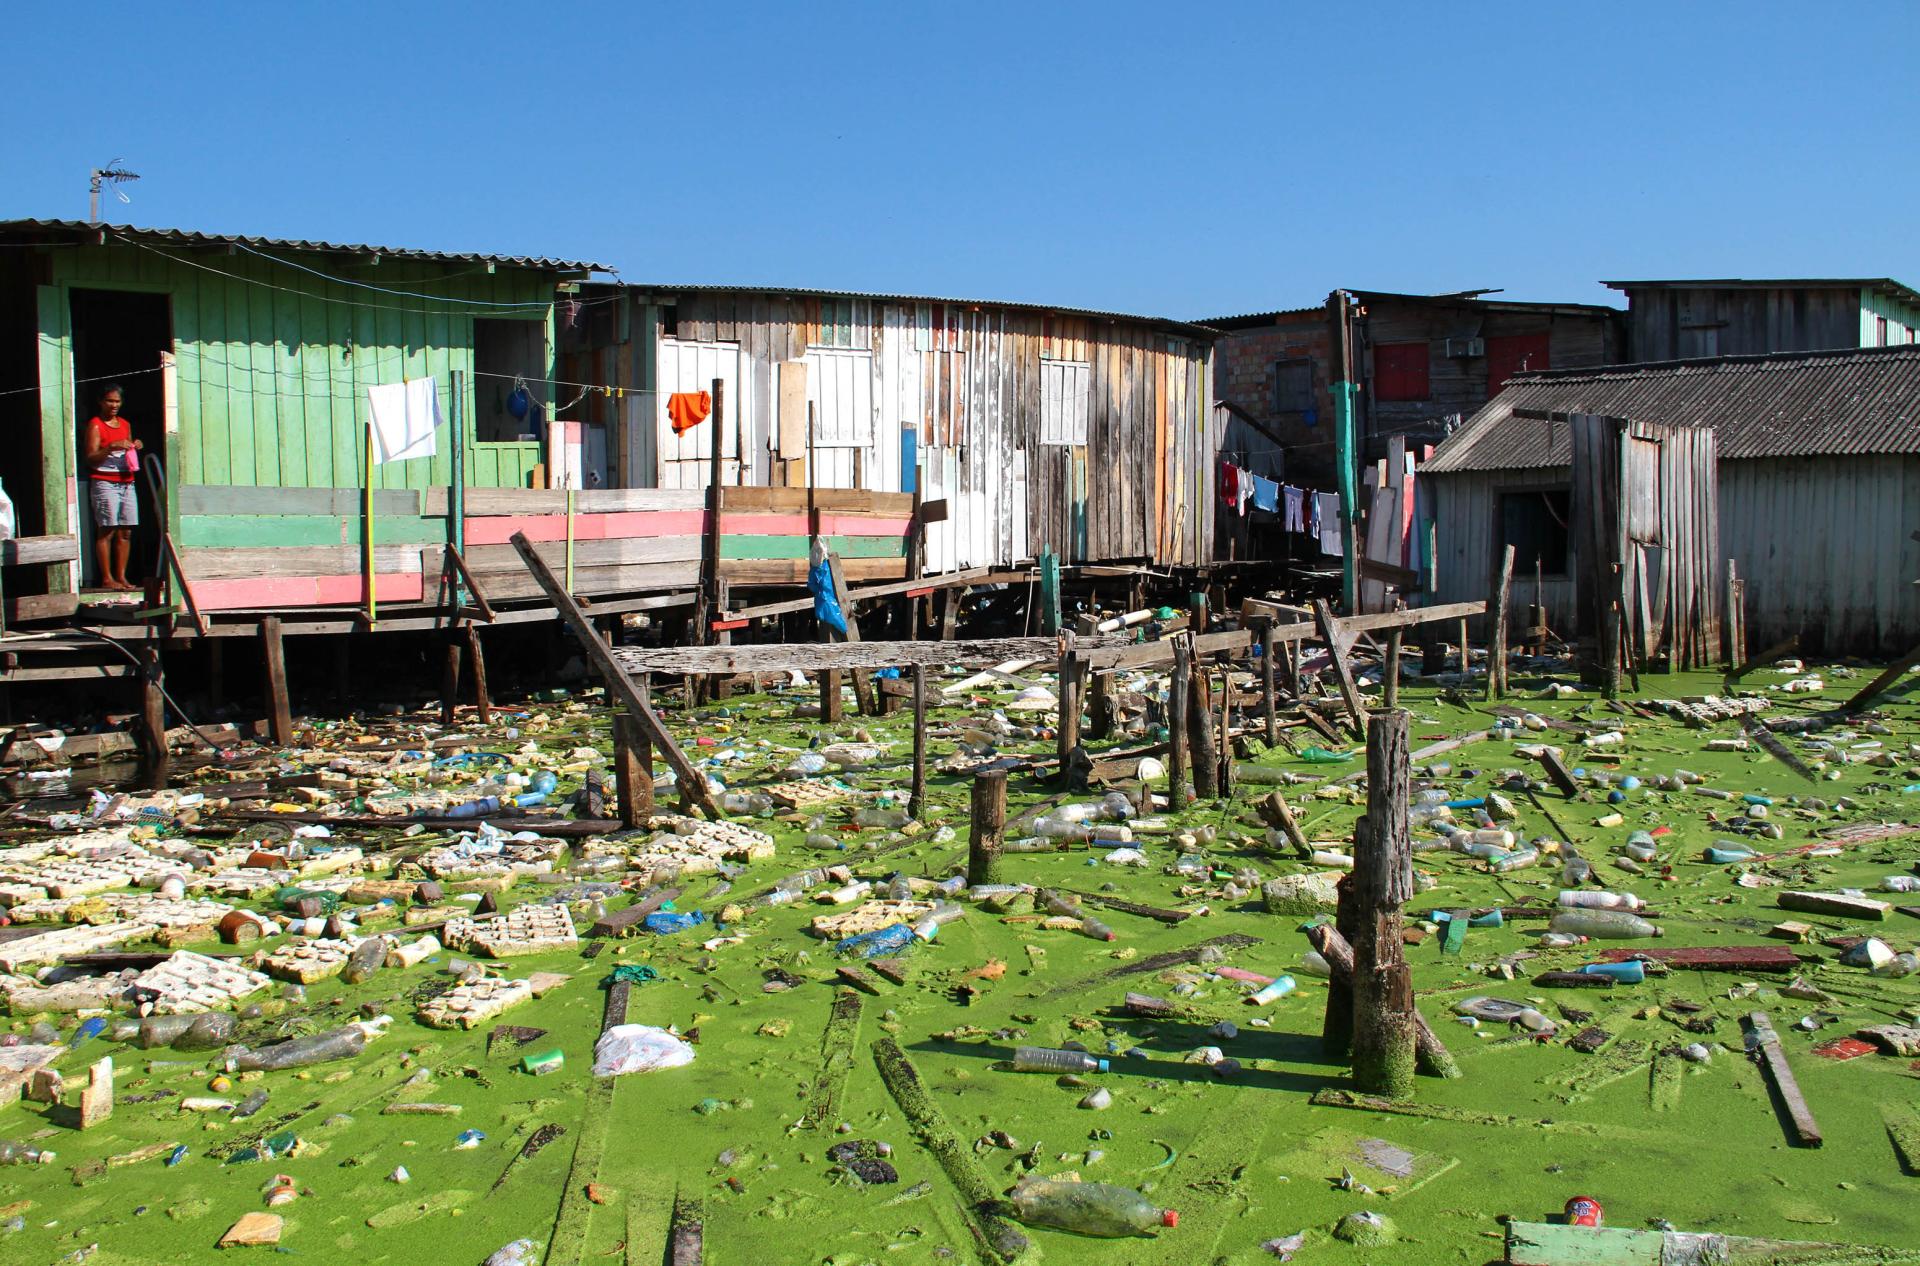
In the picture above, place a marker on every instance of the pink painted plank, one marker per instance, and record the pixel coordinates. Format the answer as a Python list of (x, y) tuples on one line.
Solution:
[(305, 591), (499, 529)]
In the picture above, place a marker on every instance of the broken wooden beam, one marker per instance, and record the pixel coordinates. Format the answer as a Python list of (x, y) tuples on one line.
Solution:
[(781, 657), (1765, 1042), (1552, 1244)]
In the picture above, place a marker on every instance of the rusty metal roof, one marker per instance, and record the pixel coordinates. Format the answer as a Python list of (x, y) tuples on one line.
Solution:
[(1185, 329), (81, 232), (1853, 401), (1879, 285)]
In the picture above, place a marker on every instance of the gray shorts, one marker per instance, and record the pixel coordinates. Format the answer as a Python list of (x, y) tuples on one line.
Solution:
[(115, 504)]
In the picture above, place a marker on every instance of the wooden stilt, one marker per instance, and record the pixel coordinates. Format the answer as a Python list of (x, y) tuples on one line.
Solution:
[(865, 698), (279, 707), (1099, 706), (919, 797), (1383, 1010), (632, 772), (477, 664), (1431, 1053), (1336, 1030), (989, 825), (1200, 748), (1223, 752), (1466, 656), (832, 705), (1177, 727), (450, 678), (153, 718), (950, 611), (1268, 696), (1497, 627), (1067, 733), (1342, 670), (720, 686), (1391, 671)]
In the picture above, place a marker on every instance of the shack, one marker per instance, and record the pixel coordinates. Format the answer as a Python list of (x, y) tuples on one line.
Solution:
[(245, 363), (1819, 487), (1040, 428), (1421, 363), (1734, 316)]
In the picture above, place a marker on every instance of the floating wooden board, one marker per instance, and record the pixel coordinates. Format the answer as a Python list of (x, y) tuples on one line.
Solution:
[(1545, 1244), (1742, 958)]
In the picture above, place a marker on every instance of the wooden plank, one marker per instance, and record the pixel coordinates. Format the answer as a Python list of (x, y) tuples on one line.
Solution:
[(40, 549), (1343, 672), (279, 710), (863, 696), (910, 585), (1778, 651), (815, 656), (220, 500), (316, 560), (1737, 958), (1804, 1130), (751, 500), (1884, 682), (691, 782)]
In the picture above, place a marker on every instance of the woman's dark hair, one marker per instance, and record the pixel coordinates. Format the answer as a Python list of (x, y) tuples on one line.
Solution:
[(110, 389)]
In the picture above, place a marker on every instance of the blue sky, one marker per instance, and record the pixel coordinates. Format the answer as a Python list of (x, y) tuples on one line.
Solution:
[(1185, 161)]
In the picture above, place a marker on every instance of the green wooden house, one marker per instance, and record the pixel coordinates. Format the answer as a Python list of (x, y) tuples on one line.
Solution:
[(244, 364)]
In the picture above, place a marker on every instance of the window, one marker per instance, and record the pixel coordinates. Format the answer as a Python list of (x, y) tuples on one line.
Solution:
[(1400, 372), (504, 349), (840, 389), (1066, 387), (1879, 331), (1292, 386), (844, 323), (1510, 354), (1534, 522)]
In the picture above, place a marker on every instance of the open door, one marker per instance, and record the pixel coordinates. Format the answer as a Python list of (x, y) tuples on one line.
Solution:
[(118, 337)]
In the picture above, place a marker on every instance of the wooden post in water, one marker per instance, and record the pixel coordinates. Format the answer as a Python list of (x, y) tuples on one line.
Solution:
[(1497, 630), (153, 718), (1099, 706), (279, 707), (832, 706), (919, 800), (450, 678), (1391, 671), (482, 701), (1336, 1030), (1067, 734), (1383, 1010), (1223, 752), (1268, 694), (989, 824), (1466, 656), (1177, 727), (633, 763), (1200, 750)]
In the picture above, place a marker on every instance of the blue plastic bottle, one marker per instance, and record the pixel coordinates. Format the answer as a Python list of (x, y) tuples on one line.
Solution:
[(883, 941)]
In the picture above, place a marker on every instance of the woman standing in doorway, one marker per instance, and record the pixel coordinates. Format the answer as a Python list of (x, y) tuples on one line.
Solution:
[(109, 455)]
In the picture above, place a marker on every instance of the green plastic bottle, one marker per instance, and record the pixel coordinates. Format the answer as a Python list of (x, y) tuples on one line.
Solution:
[(1089, 1208)]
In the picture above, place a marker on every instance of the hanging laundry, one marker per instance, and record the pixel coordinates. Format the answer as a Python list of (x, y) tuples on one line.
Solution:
[(1245, 498), (688, 409), (405, 419), (1229, 483), (1330, 523), (1295, 519), (1313, 511), (1266, 494)]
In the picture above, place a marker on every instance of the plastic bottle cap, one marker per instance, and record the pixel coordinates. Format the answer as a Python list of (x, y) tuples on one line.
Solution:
[(1169, 1217), (1101, 1065)]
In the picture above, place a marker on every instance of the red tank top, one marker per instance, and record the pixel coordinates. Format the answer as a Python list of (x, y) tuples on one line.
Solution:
[(113, 467)]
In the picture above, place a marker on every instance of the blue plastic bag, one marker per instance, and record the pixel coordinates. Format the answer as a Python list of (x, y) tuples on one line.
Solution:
[(826, 603), (665, 922)]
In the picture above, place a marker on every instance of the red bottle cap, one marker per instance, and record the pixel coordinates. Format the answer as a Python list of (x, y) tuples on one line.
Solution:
[(1169, 1217), (1584, 1211)]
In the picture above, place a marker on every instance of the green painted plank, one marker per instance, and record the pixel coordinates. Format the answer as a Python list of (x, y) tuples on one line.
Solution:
[(776, 547), (240, 382), (289, 345), (209, 397), (246, 531), (206, 499), (265, 387)]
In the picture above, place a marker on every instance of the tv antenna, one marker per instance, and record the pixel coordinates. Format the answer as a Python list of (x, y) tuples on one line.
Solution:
[(112, 174)]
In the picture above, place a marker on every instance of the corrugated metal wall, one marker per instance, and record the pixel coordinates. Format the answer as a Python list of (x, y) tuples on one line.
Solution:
[(967, 380), (1824, 543)]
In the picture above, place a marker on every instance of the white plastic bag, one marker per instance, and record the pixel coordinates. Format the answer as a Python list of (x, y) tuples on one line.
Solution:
[(638, 1048), (6, 516)]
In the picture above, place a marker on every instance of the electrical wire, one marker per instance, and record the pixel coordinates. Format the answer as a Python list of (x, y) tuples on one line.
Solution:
[(367, 285), (225, 754)]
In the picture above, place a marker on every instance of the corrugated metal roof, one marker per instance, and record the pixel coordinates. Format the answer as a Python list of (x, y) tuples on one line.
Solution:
[(1793, 404), (1477, 299), (1184, 328), (81, 229), (1884, 285)]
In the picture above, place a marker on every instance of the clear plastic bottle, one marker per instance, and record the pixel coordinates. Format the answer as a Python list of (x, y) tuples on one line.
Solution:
[(1116, 807), (1602, 925), (1047, 1059), (1074, 910), (1090, 1208), (342, 1043), (929, 924), (877, 944), (23, 1154), (1593, 899), (1900, 883), (880, 817), (1902, 964), (1054, 826), (1576, 871)]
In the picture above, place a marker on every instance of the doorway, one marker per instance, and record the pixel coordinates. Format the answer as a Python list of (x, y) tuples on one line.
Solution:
[(118, 336)]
